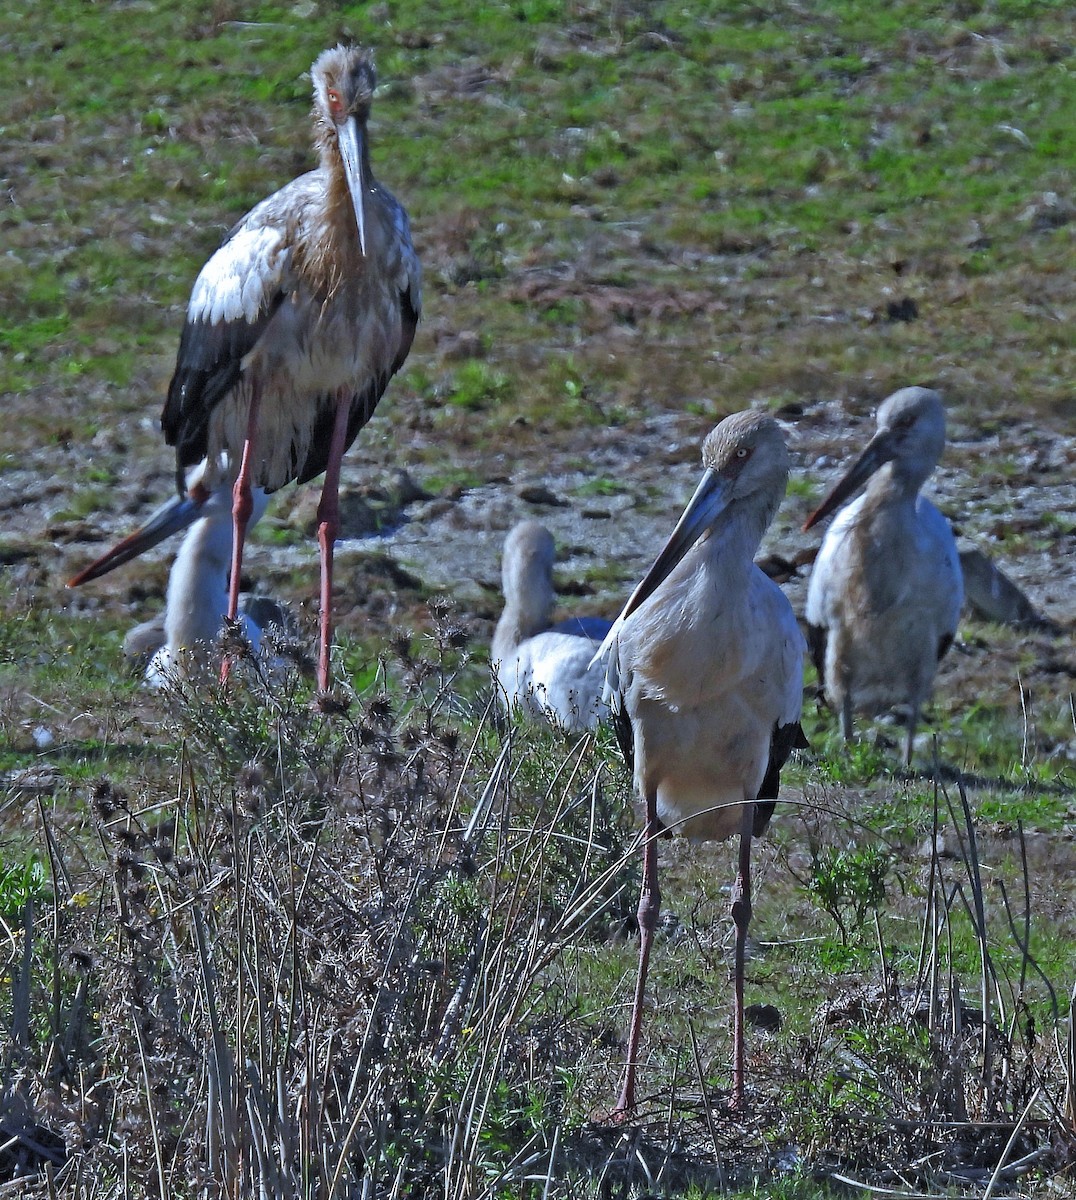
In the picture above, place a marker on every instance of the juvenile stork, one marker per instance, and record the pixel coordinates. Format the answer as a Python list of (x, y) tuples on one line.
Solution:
[(545, 670), (196, 604), (296, 325), (886, 589), (705, 671)]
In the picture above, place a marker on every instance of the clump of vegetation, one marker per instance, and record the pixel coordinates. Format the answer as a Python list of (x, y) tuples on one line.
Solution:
[(321, 961), (382, 951), (849, 884)]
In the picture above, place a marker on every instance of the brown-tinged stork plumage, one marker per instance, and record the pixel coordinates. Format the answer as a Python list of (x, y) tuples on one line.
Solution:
[(886, 588), (705, 674), (295, 326)]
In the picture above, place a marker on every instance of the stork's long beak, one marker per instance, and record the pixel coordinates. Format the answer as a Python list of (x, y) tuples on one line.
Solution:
[(350, 136), (178, 513), (711, 498), (880, 450)]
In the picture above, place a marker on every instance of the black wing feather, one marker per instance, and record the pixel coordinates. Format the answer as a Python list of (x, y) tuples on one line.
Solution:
[(362, 409), (621, 721), (816, 644), (785, 739), (210, 356), (208, 366)]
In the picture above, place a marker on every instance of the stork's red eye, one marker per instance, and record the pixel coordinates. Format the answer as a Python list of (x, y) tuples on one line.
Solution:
[(336, 103)]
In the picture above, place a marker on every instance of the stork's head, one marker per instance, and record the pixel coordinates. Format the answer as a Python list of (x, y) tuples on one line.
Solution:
[(910, 435), (912, 421), (528, 557), (748, 455), (745, 469), (344, 81)]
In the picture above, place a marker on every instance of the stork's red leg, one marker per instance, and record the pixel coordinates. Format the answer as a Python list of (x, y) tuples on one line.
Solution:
[(242, 508), (649, 909), (328, 528), (741, 916)]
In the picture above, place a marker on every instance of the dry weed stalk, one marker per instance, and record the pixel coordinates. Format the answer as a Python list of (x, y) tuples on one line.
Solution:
[(325, 948), (951, 1091)]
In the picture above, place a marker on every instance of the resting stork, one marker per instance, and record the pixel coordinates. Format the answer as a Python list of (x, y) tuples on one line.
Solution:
[(886, 588), (296, 325), (544, 670), (196, 604), (705, 671)]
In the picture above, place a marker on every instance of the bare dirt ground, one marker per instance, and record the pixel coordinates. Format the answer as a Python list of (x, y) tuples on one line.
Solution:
[(1009, 489)]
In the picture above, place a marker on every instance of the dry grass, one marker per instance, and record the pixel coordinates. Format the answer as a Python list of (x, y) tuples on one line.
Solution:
[(317, 963), (375, 955)]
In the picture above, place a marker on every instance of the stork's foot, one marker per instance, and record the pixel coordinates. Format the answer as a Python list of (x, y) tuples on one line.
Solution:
[(737, 1107), (331, 702), (619, 1114)]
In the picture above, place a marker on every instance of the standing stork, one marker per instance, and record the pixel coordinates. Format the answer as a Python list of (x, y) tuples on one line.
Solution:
[(296, 325), (546, 671), (705, 671), (886, 588)]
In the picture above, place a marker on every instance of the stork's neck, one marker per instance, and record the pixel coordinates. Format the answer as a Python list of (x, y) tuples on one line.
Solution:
[(198, 583), (737, 535), (329, 254), (898, 482), (528, 610)]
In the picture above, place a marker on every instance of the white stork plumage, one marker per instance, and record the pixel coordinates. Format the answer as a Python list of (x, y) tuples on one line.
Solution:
[(542, 669), (705, 669), (196, 604), (886, 588), (296, 325)]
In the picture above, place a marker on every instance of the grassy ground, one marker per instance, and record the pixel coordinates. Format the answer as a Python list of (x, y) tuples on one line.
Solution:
[(248, 947)]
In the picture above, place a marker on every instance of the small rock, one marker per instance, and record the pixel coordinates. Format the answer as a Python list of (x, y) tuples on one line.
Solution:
[(358, 517), (669, 924), (538, 493), (43, 778), (763, 1016), (904, 309), (432, 510), (461, 346), (72, 531), (779, 569), (404, 489), (1048, 211), (936, 845)]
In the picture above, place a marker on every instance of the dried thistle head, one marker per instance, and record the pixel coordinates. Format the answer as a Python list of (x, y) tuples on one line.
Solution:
[(380, 711), (448, 736), (233, 643), (400, 645), (107, 800), (332, 703), (457, 637), (289, 647)]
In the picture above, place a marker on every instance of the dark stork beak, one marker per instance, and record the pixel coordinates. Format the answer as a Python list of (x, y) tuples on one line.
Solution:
[(710, 500), (350, 136), (879, 450), (178, 513)]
